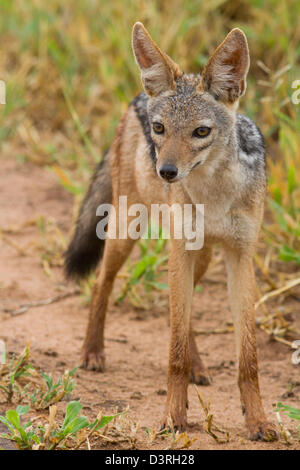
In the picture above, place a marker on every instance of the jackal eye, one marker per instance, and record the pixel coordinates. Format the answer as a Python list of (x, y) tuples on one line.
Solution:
[(201, 132), (158, 128)]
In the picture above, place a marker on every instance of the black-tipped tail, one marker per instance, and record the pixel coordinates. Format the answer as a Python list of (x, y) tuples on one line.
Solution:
[(86, 249)]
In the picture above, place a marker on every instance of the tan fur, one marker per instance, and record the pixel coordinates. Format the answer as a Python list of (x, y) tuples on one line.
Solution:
[(232, 217)]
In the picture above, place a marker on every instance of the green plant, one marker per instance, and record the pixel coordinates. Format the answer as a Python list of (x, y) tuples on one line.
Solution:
[(13, 372), (22, 382), (293, 413), (147, 270), (50, 436), (21, 434), (43, 397)]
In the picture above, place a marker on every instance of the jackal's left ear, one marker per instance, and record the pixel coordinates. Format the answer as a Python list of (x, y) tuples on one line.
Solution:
[(159, 72), (225, 73)]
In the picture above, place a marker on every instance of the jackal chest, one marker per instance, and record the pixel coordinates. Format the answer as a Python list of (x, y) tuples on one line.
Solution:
[(224, 219), (218, 223)]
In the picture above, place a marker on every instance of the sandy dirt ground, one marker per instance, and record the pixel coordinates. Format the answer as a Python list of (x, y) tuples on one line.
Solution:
[(136, 342)]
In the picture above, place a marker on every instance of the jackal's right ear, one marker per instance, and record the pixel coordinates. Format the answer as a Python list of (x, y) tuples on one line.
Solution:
[(159, 72), (225, 73)]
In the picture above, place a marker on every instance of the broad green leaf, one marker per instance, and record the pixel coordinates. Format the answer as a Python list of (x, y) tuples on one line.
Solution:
[(72, 411), (13, 417), (7, 423), (105, 420), (75, 425)]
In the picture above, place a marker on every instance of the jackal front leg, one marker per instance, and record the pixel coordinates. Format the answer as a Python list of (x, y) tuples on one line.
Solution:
[(241, 286), (181, 265), (199, 373)]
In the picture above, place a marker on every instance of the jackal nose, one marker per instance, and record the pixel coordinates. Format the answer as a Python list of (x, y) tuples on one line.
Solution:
[(168, 171)]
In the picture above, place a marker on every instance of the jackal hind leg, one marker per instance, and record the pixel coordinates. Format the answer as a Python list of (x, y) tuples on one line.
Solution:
[(115, 254)]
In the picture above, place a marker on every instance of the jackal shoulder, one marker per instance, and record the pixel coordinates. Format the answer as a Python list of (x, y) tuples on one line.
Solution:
[(250, 141)]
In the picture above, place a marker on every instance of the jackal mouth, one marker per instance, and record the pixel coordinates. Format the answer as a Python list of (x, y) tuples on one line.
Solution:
[(197, 164), (174, 180), (180, 175)]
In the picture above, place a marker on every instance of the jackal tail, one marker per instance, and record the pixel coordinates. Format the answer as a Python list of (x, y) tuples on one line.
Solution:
[(86, 249)]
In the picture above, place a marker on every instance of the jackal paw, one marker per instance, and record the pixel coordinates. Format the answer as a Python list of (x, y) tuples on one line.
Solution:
[(93, 361), (264, 431), (200, 376), (173, 423)]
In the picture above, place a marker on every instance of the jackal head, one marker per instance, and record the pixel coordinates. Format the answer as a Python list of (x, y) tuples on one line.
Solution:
[(191, 116)]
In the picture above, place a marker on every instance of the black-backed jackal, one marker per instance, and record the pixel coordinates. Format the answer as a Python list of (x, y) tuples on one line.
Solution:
[(181, 141)]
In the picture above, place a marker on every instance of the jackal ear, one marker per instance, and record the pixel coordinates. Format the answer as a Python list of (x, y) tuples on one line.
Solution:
[(225, 73), (159, 72)]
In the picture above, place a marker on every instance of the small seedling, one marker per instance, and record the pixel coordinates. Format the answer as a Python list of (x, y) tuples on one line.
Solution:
[(293, 413), (53, 392), (51, 435), (21, 382), (11, 373)]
